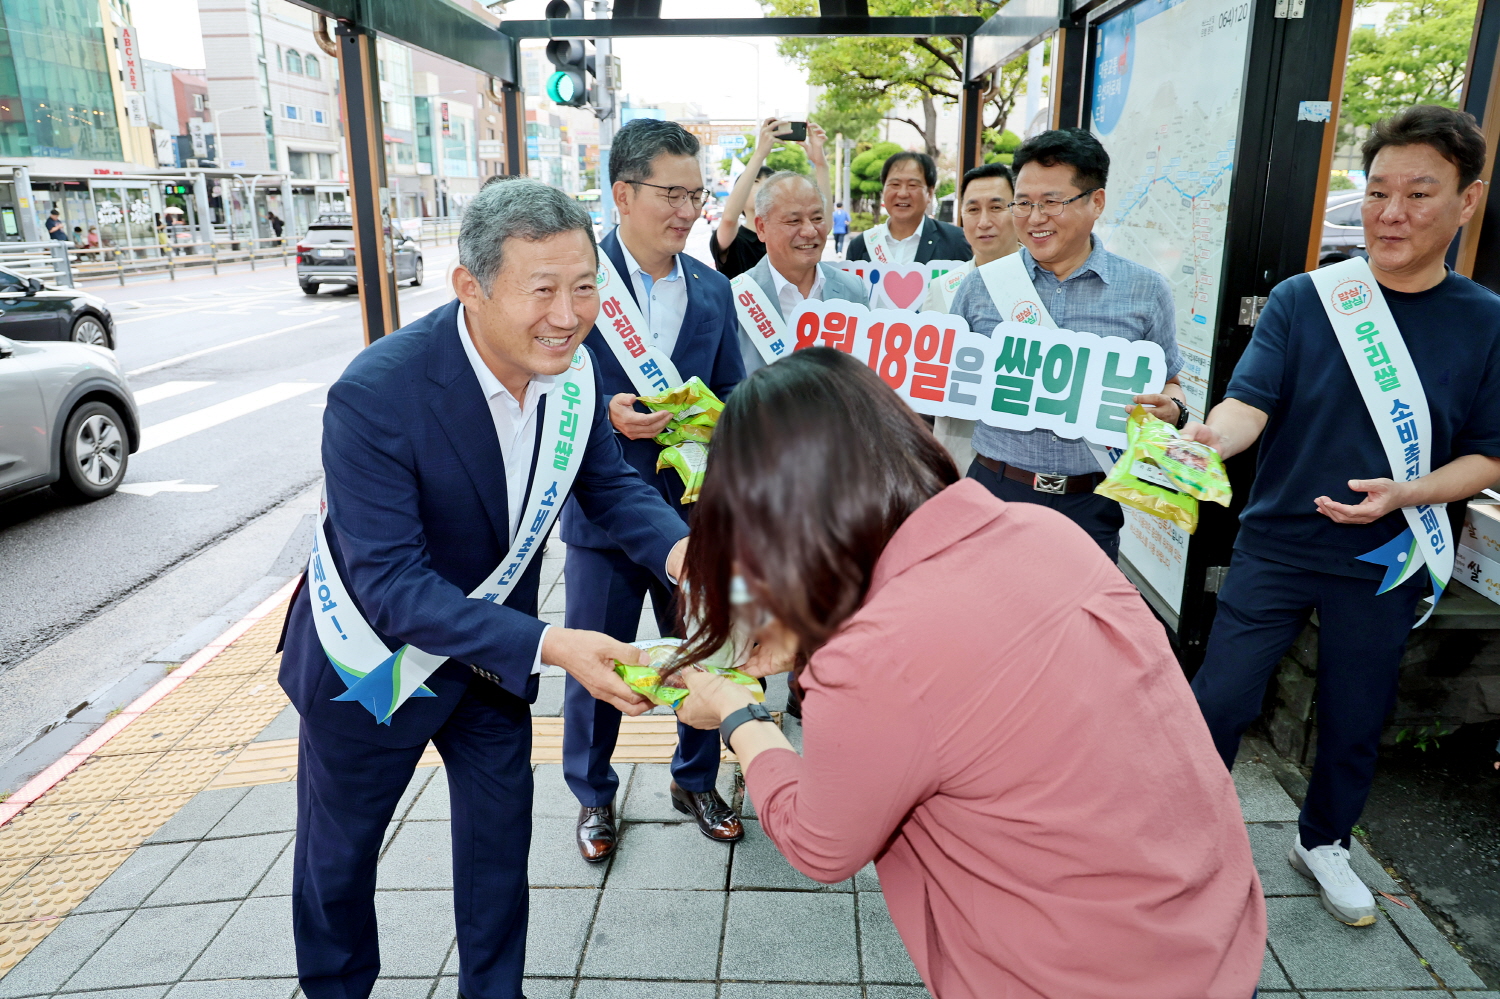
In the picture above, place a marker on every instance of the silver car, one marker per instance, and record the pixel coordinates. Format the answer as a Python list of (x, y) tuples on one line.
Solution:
[(325, 255), (67, 419)]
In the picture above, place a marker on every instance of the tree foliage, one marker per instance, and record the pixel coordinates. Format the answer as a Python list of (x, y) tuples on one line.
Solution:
[(1417, 57), (782, 157), (864, 169)]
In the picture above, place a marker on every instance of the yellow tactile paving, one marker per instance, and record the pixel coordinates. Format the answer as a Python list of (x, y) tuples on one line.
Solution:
[(52, 888), (260, 763), (12, 869), (102, 778), (18, 939), (42, 828), (117, 825)]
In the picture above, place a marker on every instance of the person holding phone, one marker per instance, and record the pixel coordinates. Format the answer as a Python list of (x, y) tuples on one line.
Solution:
[(736, 247)]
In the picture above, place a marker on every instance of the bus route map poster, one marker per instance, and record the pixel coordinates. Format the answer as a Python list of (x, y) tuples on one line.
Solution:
[(1165, 101)]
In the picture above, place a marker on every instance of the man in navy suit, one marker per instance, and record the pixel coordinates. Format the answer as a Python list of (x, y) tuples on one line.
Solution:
[(658, 190), (429, 446)]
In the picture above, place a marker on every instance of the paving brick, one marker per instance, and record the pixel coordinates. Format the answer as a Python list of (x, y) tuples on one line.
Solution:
[(559, 922), (884, 955), (220, 869), (61, 954), (1425, 994), (552, 796), (235, 988), (1370, 871), (1261, 797), (1269, 843), (278, 880), (1318, 951), (401, 988), (549, 697), (1271, 976), (757, 946), (1431, 944), (554, 861), (777, 692), (135, 879), (634, 928), (284, 726), (650, 800), (756, 990), (654, 855), (198, 816), (432, 805), (255, 943), (154, 946), (414, 788), (416, 932), (757, 864), (535, 988), (140, 992), (421, 856), (267, 808), (866, 879), (615, 988), (896, 992)]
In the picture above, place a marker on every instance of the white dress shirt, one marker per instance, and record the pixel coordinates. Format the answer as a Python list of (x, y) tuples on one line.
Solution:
[(902, 251), (788, 296), (515, 429), (664, 302)]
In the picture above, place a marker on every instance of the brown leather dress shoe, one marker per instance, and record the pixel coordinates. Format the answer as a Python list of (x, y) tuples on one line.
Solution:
[(596, 833), (716, 819)]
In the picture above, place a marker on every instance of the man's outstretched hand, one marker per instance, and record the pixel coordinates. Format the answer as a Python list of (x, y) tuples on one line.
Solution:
[(635, 425), (588, 656), (1381, 497)]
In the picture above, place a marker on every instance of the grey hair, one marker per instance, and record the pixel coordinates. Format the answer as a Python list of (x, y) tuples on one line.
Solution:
[(520, 208), (765, 196), (643, 140)]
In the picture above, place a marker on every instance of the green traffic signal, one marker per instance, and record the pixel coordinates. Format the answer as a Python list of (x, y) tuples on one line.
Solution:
[(565, 87)]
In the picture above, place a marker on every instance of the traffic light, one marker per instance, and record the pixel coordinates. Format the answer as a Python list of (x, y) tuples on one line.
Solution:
[(572, 63)]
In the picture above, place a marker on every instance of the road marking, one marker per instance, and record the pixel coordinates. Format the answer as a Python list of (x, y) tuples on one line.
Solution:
[(425, 291), (169, 311), (167, 390), (190, 423), (223, 346), (169, 486)]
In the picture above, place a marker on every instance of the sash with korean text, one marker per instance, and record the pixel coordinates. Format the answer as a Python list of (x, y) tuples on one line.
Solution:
[(942, 289), (1392, 392), (382, 680), (760, 320), (877, 241), (625, 329)]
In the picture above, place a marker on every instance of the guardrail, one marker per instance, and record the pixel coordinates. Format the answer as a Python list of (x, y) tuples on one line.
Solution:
[(120, 261), (47, 260)]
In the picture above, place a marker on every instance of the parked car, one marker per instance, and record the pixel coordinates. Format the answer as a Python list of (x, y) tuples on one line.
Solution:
[(1343, 231), (31, 309), (67, 419), (326, 255)]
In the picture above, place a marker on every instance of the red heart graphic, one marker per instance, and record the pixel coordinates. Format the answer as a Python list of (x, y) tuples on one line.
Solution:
[(902, 289)]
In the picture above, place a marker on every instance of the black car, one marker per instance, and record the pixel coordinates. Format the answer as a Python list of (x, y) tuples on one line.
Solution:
[(30, 309), (326, 255)]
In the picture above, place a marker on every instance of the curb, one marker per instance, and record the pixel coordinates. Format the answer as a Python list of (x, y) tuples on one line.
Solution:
[(79, 754)]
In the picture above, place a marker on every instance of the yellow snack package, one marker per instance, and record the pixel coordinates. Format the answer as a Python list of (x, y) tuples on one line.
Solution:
[(695, 411), (660, 654), (1165, 475), (691, 460)]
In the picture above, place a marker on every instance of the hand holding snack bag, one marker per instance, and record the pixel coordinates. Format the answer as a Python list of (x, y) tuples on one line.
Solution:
[(661, 654), (1164, 474), (695, 411)]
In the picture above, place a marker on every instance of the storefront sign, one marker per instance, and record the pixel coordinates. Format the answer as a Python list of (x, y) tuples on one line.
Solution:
[(135, 106), (132, 72)]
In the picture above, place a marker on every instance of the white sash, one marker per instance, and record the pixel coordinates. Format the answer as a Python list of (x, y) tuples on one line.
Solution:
[(877, 241), (760, 321), (628, 334), (1392, 392), (382, 680), (943, 287)]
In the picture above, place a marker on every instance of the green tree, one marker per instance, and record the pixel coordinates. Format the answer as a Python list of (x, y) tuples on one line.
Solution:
[(782, 157), (864, 169), (1417, 57), (877, 74)]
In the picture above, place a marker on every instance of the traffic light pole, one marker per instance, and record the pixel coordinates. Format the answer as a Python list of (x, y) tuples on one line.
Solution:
[(604, 80)]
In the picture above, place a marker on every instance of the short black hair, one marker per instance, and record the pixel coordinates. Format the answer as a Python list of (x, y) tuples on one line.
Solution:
[(987, 170), (1453, 133), (763, 173), (929, 168), (643, 140), (1074, 147)]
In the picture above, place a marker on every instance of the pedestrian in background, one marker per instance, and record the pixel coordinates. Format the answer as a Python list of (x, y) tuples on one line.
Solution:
[(840, 227), (908, 183), (55, 227), (276, 224), (1046, 812)]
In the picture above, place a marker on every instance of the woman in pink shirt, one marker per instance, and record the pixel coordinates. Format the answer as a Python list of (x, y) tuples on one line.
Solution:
[(990, 712)]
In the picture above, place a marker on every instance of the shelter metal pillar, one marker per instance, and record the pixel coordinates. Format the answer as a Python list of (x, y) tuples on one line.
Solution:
[(513, 103), (1478, 250), (359, 92), (971, 134)]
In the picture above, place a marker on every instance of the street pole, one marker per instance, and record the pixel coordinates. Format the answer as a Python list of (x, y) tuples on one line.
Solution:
[(605, 112)]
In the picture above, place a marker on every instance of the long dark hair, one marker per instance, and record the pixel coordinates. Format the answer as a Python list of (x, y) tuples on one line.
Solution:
[(815, 463)]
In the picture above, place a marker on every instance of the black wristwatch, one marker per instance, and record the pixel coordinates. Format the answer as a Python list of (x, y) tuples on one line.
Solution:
[(750, 712), (1182, 413)]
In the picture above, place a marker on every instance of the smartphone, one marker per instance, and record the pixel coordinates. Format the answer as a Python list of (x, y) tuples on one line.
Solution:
[(792, 131)]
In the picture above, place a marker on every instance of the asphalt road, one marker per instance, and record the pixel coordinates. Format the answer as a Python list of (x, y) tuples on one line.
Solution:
[(230, 374)]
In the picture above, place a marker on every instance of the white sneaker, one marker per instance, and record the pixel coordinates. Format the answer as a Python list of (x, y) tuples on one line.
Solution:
[(1344, 895)]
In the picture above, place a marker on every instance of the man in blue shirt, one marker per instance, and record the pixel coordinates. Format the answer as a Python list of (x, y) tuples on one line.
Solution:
[(1323, 493), (1060, 177), (840, 226)]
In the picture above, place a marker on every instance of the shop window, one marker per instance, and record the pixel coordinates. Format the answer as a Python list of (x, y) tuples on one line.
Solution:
[(310, 67), (298, 164), (289, 111), (319, 117), (325, 166), (293, 61)]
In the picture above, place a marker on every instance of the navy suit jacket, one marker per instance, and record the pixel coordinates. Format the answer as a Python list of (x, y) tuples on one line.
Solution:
[(419, 517), (707, 346), (940, 241)]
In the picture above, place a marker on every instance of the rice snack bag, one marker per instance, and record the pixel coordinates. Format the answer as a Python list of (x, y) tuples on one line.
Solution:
[(1164, 474), (660, 653), (695, 411)]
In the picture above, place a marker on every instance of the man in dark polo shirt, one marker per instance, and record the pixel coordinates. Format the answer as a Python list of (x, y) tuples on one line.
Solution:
[(1324, 494)]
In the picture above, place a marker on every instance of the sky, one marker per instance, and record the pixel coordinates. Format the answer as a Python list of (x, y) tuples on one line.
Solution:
[(718, 74)]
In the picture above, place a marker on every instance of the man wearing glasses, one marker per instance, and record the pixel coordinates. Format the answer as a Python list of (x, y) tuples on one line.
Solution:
[(909, 235), (690, 317), (1060, 178)]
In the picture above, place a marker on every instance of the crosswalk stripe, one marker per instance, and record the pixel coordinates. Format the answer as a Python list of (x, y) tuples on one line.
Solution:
[(190, 423), (167, 390)]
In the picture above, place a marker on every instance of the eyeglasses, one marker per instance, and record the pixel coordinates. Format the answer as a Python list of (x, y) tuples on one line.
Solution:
[(677, 195), (1049, 209)]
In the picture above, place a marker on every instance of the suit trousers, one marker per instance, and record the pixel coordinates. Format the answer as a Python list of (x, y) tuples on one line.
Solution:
[(1100, 516), (606, 592), (347, 792), (1263, 607)]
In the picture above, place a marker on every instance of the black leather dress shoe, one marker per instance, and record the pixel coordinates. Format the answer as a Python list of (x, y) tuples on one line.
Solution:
[(716, 819), (596, 833)]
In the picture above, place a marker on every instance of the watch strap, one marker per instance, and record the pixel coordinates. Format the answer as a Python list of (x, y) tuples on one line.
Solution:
[(749, 713), (1182, 414)]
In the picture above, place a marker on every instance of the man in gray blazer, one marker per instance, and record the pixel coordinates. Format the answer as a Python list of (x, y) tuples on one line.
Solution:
[(792, 220)]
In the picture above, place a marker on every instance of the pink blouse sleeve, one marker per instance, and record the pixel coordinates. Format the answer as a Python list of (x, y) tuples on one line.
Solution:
[(867, 760)]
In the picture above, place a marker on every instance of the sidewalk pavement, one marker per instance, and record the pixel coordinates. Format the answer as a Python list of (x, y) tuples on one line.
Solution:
[(161, 867)]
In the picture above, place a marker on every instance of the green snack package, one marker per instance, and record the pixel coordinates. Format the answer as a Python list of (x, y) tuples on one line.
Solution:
[(695, 411), (1164, 474), (660, 653)]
